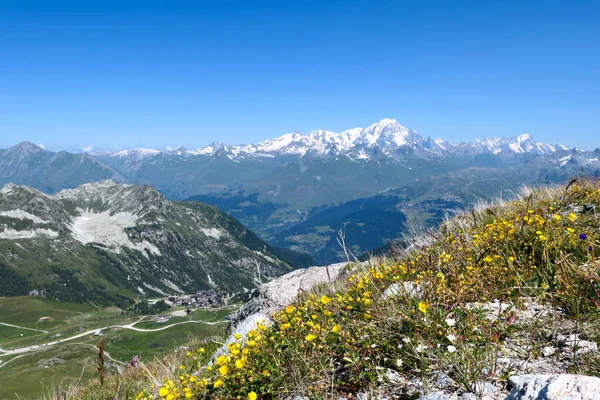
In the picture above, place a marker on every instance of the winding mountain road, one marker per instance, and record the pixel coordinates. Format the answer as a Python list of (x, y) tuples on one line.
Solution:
[(22, 327), (131, 326)]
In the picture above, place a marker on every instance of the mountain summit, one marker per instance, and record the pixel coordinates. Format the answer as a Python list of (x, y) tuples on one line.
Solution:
[(387, 136)]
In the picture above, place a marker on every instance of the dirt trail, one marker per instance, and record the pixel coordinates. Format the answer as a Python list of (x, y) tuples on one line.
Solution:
[(22, 327), (27, 349)]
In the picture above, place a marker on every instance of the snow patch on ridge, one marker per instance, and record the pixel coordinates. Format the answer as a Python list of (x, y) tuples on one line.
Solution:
[(108, 230), (563, 161), (12, 234), (7, 189), (213, 233), (20, 214)]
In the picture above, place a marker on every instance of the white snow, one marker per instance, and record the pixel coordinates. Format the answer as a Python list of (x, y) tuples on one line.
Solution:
[(563, 161), (213, 233), (20, 214), (386, 131), (7, 189), (387, 134), (12, 234), (108, 230), (139, 153), (440, 144), (515, 147), (362, 155)]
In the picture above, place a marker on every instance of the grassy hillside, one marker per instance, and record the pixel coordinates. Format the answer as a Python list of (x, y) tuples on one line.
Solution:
[(45, 369), (502, 282)]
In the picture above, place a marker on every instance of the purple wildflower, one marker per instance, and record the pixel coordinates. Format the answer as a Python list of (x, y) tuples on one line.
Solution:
[(134, 361), (583, 236)]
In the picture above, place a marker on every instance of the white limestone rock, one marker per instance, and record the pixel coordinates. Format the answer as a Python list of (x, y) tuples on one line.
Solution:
[(554, 387)]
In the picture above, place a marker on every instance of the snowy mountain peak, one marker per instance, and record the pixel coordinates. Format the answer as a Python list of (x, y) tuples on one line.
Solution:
[(515, 145), (386, 124), (138, 153), (386, 135)]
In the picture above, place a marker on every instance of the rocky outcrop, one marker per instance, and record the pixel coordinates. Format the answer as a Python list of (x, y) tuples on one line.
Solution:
[(280, 292), (275, 295), (554, 387)]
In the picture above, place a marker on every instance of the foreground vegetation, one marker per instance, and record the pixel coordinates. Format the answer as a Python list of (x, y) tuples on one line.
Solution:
[(428, 311)]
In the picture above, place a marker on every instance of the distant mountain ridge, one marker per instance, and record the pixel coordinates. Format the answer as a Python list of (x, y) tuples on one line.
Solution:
[(387, 135), (29, 164), (276, 187)]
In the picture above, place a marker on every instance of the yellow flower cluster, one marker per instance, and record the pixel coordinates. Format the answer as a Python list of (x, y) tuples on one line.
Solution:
[(523, 248)]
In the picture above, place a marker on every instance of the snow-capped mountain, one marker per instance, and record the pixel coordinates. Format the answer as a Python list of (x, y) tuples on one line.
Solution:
[(387, 136), (278, 183)]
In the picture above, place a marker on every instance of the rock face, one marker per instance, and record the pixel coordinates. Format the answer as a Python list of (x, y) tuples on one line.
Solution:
[(554, 387), (280, 292), (275, 295)]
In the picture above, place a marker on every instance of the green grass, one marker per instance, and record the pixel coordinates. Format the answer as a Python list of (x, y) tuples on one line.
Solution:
[(27, 311), (65, 319), (21, 377), (123, 345)]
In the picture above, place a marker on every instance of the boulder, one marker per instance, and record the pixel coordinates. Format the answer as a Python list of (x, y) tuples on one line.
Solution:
[(279, 293), (554, 387), (435, 396)]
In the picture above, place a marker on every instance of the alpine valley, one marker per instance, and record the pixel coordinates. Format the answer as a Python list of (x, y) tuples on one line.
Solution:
[(299, 190)]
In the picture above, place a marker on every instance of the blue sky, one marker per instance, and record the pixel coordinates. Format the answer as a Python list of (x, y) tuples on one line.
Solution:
[(120, 74)]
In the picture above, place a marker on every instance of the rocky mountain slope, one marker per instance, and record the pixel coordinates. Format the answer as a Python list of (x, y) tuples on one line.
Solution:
[(108, 243)]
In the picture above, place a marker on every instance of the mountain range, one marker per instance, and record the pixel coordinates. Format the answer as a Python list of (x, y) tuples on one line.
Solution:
[(286, 189), (109, 243), (386, 136)]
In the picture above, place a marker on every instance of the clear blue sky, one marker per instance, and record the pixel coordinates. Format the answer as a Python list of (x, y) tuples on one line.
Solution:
[(119, 74)]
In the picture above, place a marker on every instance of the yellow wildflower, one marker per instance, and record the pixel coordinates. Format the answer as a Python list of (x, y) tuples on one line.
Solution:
[(223, 370)]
